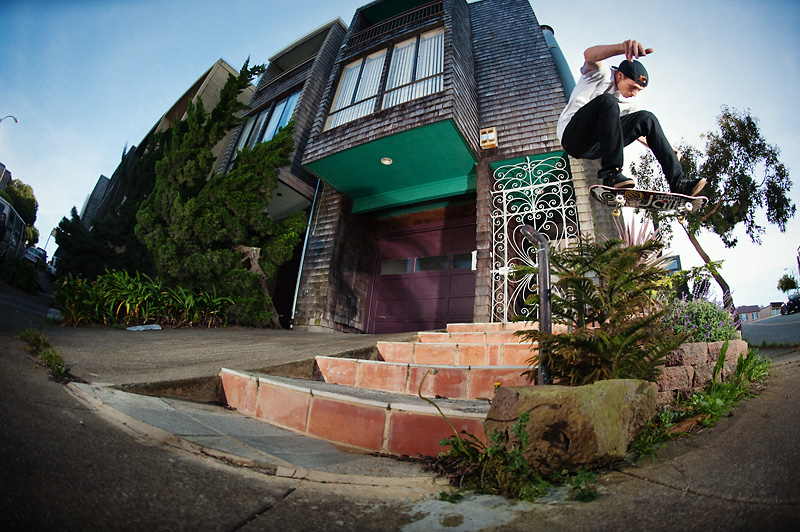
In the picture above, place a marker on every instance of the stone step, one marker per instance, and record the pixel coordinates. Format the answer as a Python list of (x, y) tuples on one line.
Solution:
[(491, 327), (452, 382), (449, 354), (472, 337), (368, 420)]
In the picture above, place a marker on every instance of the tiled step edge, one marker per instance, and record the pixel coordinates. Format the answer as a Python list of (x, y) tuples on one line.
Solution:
[(448, 354), (453, 382), (471, 337), (507, 326), (363, 419)]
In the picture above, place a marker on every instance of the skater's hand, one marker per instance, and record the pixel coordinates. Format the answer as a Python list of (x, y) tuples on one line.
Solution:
[(634, 50)]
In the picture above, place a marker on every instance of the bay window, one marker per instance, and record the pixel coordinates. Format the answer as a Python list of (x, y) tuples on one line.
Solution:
[(415, 70), (358, 90)]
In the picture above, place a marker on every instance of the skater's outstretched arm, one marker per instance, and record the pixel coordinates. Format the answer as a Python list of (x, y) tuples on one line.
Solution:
[(594, 55)]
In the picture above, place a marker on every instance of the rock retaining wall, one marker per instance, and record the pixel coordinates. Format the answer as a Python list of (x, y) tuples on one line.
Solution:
[(690, 367)]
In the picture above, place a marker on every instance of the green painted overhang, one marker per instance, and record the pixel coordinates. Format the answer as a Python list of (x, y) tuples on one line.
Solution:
[(429, 162)]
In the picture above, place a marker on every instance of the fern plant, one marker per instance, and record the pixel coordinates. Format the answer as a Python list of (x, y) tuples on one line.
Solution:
[(610, 294)]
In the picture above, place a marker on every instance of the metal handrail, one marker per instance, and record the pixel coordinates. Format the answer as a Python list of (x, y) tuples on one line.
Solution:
[(545, 307)]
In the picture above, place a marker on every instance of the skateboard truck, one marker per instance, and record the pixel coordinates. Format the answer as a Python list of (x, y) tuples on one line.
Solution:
[(619, 199)]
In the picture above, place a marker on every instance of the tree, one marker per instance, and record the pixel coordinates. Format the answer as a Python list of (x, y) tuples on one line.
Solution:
[(743, 174), (787, 283), (208, 230), (112, 238), (75, 244), (22, 198)]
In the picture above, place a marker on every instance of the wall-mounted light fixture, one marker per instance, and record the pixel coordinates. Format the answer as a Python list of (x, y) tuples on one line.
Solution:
[(488, 138), (387, 161)]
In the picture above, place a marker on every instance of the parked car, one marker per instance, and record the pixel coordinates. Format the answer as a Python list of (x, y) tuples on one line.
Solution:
[(35, 255), (792, 305)]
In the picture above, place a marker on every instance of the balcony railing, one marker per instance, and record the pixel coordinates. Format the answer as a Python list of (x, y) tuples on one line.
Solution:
[(427, 11)]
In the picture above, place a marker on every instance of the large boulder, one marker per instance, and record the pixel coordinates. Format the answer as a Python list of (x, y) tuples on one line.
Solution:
[(574, 426)]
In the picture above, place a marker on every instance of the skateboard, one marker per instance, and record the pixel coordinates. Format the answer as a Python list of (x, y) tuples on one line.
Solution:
[(656, 200)]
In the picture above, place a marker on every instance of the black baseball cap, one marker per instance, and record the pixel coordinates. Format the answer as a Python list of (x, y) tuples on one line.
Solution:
[(635, 71)]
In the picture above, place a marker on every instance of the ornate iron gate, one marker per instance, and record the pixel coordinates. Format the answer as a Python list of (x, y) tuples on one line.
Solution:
[(536, 191)]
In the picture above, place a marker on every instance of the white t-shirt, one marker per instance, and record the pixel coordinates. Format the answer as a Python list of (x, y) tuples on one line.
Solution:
[(589, 86)]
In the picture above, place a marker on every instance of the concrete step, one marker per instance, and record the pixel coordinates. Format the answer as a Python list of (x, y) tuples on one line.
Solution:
[(367, 420), (491, 327), (452, 382)]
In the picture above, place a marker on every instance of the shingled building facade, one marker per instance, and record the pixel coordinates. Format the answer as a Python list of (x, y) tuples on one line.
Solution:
[(432, 143)]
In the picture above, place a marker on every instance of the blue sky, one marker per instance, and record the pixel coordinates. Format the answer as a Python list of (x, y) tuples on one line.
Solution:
[(85, 78)]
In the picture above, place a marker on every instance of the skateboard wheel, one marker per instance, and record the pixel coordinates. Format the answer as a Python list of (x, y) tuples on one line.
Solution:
[(616, 213), (620, 199), (689, 206)]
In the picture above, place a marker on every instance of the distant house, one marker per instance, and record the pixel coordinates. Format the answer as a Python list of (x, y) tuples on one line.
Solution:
[(751, 313), (773, 309)]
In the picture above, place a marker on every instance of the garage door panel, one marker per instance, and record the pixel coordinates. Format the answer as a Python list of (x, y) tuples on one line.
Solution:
[(393, 289), (393, 309), (462, 283), (460, 309), (429, 308)]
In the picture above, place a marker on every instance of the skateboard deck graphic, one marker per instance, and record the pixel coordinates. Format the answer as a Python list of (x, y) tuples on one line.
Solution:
[(646, 199)]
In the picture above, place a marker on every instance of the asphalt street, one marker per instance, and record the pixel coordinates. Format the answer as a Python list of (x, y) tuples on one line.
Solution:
[(773, 331)]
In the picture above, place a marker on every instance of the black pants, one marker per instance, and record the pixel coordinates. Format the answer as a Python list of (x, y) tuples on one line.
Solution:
[(597, 131)]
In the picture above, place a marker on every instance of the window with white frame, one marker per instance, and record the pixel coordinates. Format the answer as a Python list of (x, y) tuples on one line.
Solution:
[(415, 70), (358, 90)]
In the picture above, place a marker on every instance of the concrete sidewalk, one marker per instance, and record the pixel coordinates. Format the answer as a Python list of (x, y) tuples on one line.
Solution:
[(221, 433)]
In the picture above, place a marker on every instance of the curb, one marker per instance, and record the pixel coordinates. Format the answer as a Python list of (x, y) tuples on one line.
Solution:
[(271, 465)]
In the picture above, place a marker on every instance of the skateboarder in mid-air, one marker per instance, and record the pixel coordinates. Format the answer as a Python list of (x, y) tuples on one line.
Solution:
[(601, 118)]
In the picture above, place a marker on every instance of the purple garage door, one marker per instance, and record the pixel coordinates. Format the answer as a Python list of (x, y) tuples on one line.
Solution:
[(423, 280)]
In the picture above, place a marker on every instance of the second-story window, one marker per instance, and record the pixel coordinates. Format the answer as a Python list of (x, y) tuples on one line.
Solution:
[(281, 114), (358, 89), (415, 70), (278, 114)]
